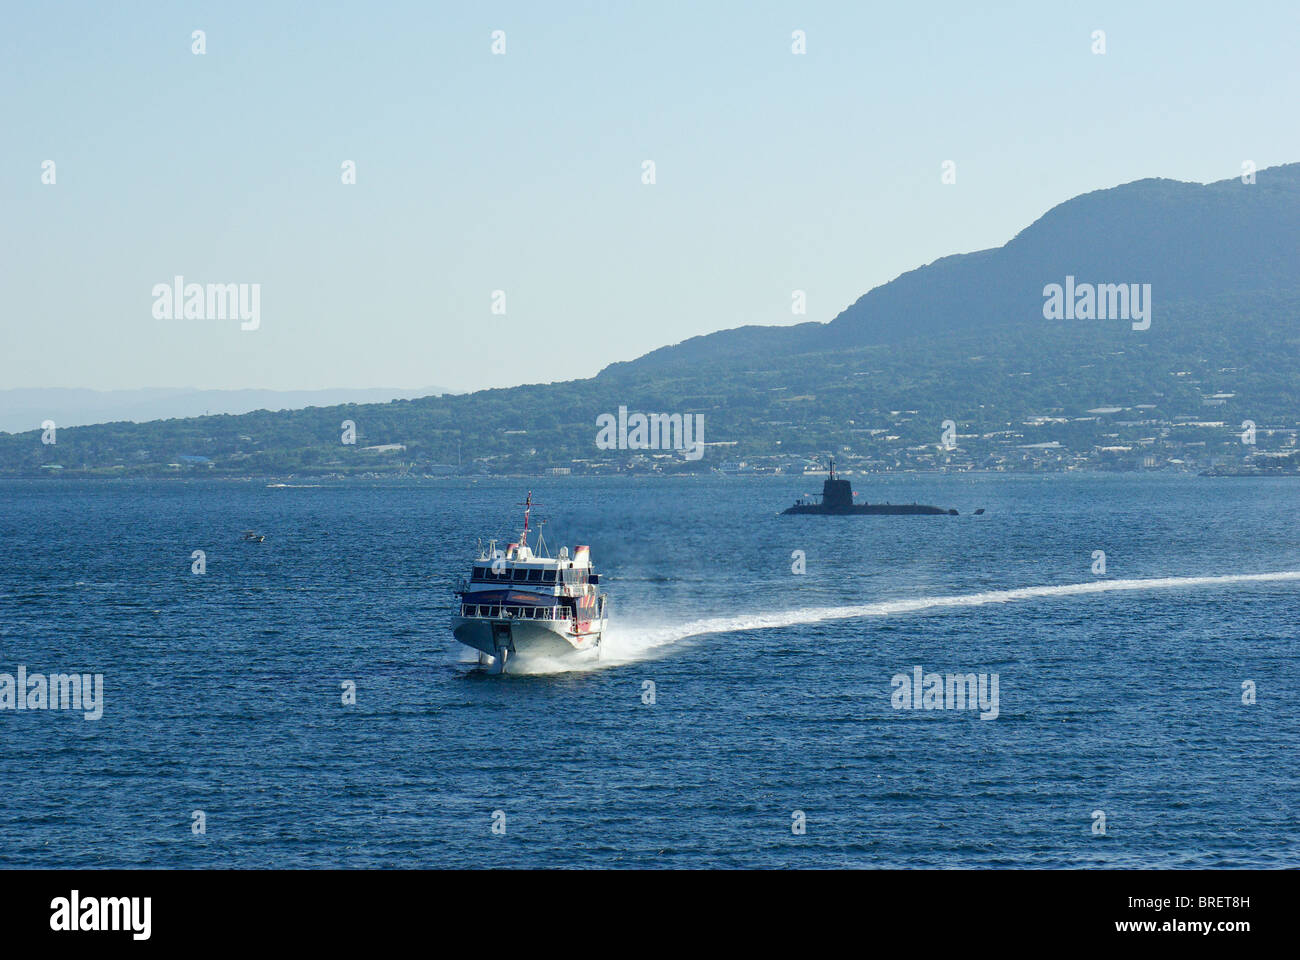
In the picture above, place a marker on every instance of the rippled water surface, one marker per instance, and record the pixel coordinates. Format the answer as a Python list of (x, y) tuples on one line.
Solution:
[(772, 690)]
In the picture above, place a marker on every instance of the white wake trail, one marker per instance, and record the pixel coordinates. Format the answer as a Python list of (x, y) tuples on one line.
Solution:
[(629, 644)]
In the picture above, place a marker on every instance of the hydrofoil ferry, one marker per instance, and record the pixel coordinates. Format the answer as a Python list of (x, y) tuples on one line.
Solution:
[(519, 604)]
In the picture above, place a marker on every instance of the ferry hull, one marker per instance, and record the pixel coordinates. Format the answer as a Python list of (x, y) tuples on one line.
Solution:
[(525, 639)]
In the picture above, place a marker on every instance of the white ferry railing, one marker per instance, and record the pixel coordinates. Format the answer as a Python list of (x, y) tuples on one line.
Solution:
[(496, 611)]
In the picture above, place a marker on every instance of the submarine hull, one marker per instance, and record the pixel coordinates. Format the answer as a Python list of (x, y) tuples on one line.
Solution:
[(837, 501), (871, 510)]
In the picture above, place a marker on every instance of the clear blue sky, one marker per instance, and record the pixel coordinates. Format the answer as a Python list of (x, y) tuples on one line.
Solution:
[(522, 172)]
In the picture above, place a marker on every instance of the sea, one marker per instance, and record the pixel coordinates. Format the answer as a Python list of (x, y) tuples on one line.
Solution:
[(773, 691)]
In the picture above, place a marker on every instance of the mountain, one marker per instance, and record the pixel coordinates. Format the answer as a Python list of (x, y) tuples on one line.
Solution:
[(26, 409), (962, 347), (1191, 242)]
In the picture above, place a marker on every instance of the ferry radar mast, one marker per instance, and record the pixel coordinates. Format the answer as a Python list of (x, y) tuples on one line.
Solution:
[(528, 506)]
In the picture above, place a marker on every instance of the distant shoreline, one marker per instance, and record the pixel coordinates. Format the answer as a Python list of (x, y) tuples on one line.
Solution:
[(300, 482)]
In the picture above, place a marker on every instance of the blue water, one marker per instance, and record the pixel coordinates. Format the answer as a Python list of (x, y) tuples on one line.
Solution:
[(772, 690)]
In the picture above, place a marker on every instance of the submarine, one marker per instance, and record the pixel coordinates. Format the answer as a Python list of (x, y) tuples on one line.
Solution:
[(837, 500)]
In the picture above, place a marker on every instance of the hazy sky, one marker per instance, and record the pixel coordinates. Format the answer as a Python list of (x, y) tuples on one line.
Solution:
[(523, 172)]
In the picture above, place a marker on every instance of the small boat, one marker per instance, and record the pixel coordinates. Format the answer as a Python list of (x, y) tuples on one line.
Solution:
[(519, 604), (251, 536)]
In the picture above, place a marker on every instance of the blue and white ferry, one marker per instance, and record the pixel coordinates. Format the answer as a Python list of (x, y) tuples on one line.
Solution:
[(520, 604)]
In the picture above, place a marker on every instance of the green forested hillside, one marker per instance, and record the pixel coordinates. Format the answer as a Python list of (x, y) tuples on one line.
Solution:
[(1230, 362)]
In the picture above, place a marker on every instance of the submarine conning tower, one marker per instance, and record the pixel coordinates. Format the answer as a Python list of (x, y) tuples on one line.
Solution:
[(835, 492)]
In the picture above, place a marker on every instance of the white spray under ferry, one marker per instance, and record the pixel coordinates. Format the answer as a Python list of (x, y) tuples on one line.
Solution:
[(521, 604)]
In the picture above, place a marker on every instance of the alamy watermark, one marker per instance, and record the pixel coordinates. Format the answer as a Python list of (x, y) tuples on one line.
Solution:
[(1102, 301), (953, 691), (58, 691), (75, 913), (179, 300), (652, 431)]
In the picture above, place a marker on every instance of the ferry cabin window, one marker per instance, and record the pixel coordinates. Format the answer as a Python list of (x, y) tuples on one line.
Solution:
[(548, 576), (521, 575), (535, 576), (480, 573)]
